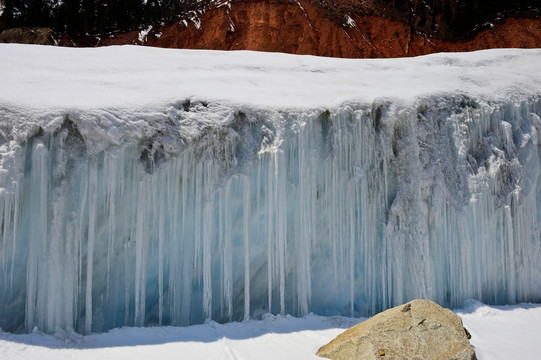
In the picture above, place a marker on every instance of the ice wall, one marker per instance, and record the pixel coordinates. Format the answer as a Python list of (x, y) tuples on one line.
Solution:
[(227, 213)]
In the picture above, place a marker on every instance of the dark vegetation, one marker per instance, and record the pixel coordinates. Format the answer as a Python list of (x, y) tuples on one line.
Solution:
[(444, 19), (454, 19), (95, 17)]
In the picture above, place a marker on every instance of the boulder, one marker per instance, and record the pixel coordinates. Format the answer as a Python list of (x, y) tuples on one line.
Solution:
[(420, 330)]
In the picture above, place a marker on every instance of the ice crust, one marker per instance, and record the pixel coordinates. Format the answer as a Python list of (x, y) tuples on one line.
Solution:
[(164, 187)]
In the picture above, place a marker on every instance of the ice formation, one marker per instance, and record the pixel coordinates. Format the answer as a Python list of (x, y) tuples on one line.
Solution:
[(206, 209)]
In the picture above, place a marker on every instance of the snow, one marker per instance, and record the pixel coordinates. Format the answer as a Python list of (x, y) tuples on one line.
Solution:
[(498, 333), (350, 23), (503, 332), (143, 186), (127, 76), (221, 3), (142, 36)]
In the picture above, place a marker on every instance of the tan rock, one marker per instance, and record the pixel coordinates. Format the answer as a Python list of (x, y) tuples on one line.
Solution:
[(420, 330)]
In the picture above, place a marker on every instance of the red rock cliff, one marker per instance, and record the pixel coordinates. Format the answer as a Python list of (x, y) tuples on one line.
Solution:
[(301, 27)]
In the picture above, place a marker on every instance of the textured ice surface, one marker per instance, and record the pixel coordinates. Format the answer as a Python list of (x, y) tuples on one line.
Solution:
[(156, 187)]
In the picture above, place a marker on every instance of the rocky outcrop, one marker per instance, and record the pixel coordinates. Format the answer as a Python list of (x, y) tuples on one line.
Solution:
[(301, 27), (420, 329), (28, 35)]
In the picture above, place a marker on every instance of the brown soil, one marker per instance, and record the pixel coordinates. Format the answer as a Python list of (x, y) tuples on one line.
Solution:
[(40, 36), (299, 27)]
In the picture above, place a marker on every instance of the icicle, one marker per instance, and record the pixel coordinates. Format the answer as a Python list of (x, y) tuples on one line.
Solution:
[(228, 254), (161, 239), (306, 186), (140, 255), (246, 236), (189, 255), (281, 224), (15, 229), (208, 223), (92, 213), (336, 216), (270, 245), (38, 232), (112, 160), (352, 234)]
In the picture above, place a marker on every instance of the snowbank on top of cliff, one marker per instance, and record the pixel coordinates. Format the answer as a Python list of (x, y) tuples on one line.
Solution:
[(130, 77), (125, 93)]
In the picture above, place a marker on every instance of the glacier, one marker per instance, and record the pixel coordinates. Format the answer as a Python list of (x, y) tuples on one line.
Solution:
[(155, 187)]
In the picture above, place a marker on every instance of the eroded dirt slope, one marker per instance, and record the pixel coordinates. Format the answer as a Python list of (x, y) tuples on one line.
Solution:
[(313, 27), (299, 27)]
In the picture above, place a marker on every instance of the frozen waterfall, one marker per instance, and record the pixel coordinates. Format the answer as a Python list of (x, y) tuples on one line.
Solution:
[(348, 210)]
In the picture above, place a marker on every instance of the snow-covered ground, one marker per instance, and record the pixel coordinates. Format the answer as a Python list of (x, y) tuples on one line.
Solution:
[(503, 332), (498, 332), (42, 78)]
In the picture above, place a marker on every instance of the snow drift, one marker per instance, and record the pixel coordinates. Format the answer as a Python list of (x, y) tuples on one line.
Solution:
[(157, 187)]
